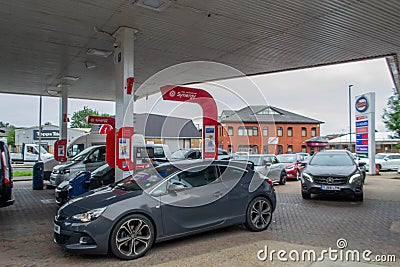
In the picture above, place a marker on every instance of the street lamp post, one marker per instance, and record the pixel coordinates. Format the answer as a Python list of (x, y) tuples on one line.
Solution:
[(350, 146)]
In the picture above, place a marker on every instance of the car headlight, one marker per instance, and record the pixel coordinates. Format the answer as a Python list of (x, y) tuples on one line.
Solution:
[(308, 177), (355, 178), (89, 216), (290, 168)]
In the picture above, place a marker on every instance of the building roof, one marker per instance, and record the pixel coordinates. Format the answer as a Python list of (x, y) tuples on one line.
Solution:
[(266, 114), (159, 126), (388, 137), (317, 139)]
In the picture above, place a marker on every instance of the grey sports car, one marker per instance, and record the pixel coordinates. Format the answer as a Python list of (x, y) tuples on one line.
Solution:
[(169, 201)]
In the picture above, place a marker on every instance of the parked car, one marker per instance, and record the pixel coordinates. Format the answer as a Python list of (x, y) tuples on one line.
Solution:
[(102, 176), (332, 172), (88, 160), (386, 161), (161, 153), (270, 166), (6, 177), (195, 153), (292, 164), (169, 201)]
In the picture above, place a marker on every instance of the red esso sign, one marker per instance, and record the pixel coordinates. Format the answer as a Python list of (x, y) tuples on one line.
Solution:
[(361, 104)]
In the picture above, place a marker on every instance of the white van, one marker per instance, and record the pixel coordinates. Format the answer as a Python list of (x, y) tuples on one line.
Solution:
[(76, 146)]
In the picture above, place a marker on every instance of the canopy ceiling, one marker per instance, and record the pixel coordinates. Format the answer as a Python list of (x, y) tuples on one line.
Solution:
[(43, 41)]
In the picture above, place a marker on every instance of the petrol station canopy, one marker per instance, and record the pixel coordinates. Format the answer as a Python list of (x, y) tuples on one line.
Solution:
[(47, 43)]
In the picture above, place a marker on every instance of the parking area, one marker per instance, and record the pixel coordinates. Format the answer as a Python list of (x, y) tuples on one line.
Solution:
[(26, 230)]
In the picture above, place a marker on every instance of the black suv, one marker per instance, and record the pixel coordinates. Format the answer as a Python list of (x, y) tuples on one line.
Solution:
[(332, 172), (6, 181)]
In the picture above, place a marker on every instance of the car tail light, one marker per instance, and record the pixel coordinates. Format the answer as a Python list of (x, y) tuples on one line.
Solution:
[(6, 173), (270, 182)]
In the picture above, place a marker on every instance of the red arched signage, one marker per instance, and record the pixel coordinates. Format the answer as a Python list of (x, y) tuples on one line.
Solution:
[(210, 116)]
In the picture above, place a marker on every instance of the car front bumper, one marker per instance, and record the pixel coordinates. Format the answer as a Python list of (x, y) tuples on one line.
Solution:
[(56, 179), (328, 189), (88, 238)]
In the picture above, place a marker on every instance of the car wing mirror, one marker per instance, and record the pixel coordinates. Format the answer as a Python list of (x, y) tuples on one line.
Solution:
[(176, 188), (303, 164), (361, 164), (268, 164)]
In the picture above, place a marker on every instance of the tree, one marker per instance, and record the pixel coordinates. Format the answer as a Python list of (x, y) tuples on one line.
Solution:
[(79, 118), (391, 113), (4, 124), (11, 136)]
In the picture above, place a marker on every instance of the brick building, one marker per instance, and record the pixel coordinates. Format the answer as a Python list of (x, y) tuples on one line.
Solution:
[(266, 129)]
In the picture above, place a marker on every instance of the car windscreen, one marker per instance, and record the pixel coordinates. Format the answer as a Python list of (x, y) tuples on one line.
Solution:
[(179, 154), (380, 156), (255, 159), (159, 152), (83, 154), (331, 160), (100, 171), (286, 158), (146, 179)]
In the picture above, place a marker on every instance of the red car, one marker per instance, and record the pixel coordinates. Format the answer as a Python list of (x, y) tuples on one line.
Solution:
[(292, 165)]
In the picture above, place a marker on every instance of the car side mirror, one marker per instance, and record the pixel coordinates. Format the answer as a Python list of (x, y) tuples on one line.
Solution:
[(303, 164), (385, 159), (361, 164), (176, 188), (268, 164), (87, 161)]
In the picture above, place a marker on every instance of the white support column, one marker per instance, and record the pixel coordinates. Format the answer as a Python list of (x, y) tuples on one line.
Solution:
[(124, 68), (63, 111)]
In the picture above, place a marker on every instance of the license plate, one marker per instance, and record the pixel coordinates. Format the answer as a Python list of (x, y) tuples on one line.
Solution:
[(57, 228), (330, 187)]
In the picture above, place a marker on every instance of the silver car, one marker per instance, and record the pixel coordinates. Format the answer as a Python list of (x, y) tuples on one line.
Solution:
[(269, 165), (88, 160)]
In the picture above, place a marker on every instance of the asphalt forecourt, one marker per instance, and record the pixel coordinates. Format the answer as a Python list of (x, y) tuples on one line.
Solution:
[(314, 232)]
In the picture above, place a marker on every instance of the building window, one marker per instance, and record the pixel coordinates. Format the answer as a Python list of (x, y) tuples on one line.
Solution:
[(252, 149), (280, 131), (265, 131), (248, 131), (265, 149), (280, 149), (230, 131), (304, 149), (289, 131), (313, 131), (289, 148), (303, 131)]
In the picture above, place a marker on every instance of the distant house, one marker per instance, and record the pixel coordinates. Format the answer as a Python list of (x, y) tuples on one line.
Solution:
[(266, 129)]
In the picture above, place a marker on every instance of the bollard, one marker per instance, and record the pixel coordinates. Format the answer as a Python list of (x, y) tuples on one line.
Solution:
[(38, 173)]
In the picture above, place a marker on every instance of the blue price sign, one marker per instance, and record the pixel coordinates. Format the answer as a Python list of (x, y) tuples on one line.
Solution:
[(361, 123)]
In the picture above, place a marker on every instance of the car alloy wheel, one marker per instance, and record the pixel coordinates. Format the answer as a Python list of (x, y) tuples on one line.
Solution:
[(132, 237), (259, 214), (282, 179)]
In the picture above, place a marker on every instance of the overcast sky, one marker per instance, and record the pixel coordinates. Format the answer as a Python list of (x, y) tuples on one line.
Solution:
[(320, 93)]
